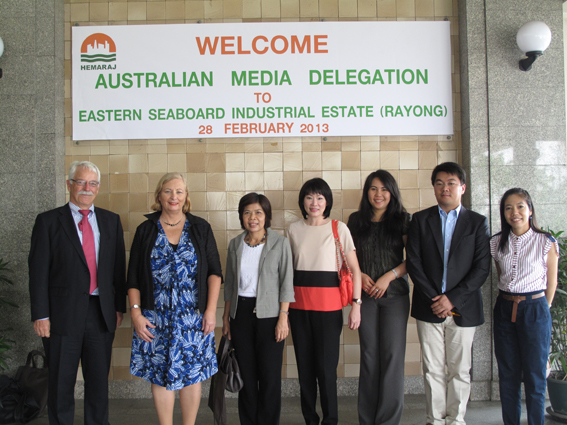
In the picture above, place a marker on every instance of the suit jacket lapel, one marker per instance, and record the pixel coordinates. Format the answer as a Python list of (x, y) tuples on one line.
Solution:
[(68, 224), (269, 244), (435, 226), (239, 259)]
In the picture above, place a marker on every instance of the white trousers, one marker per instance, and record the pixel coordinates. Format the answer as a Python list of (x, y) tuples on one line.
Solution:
[(446, 394)]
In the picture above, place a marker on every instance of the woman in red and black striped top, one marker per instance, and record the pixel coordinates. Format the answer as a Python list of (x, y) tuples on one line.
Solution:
[(316, 315)]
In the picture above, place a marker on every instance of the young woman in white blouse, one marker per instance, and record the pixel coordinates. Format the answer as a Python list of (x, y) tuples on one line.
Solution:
[(258, 288), (526, 260)]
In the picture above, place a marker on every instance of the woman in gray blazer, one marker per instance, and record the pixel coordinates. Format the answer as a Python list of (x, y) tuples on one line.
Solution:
[(258, 288)]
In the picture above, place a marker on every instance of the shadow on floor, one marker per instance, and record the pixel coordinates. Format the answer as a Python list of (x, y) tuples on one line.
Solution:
[(141, 411)]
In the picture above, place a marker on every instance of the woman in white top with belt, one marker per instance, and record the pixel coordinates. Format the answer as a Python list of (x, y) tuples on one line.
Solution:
[(258, 288), (526, 260)]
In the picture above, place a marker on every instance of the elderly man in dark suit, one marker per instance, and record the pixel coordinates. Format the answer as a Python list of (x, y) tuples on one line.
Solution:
[(448, 260), (77, 289)]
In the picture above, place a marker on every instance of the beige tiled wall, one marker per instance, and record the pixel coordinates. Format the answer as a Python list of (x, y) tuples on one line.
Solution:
[(220, 171)]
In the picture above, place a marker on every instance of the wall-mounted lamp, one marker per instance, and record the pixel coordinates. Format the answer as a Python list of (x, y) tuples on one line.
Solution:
[(1, 52), (533, 38)]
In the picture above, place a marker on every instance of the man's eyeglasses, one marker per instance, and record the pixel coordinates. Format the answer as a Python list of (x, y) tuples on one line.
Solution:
[(81, 183)]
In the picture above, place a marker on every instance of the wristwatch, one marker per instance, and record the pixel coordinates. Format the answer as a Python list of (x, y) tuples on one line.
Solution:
[(135, 306), (357, 301)]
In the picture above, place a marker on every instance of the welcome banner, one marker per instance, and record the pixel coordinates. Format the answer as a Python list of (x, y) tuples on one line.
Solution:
[(262, 80)]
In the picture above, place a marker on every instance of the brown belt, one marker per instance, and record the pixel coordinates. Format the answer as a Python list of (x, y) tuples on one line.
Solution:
[(517, 300)]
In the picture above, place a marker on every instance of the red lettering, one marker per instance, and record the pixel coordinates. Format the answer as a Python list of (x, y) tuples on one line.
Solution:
[(240, 50), (273, 44), (225, 43), (320, 43), (255, 42), (207, 45)]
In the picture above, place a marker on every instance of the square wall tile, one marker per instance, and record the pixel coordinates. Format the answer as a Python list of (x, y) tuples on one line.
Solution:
[(273, 161), (217, 220), (409, 160), (253, 8), (177, 163), (155, 10), (254, 181), (350, 161), (273, 180), (235, 181), (292, 161), (138, 163), (216, 201), (174, 10), (292, 180), (390, 160), (196, 182), (215, 162), (370, 161), (196, 163), (216, 182), (366, 8), (232, 220), (333, 179), (137, 11), (254, 162), (98, 12), (270, 8), (139, 183), (331, 160), (311, 161), (235, 162), (351, 180)]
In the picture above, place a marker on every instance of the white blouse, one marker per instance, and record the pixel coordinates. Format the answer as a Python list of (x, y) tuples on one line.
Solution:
[(249, 268), (523, 263)]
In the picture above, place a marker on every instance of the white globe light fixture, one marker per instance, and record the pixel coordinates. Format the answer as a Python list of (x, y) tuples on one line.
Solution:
[(533, 38)]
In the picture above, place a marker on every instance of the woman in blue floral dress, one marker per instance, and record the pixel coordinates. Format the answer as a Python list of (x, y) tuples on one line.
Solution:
[(174, 280)]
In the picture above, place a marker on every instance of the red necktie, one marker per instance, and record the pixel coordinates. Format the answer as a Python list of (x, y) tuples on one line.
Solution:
[(89, 247)]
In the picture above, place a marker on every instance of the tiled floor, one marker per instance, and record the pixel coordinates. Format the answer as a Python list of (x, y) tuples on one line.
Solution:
[(139, 412)]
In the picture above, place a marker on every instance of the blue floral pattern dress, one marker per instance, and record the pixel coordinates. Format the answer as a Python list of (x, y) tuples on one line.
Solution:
[(180, 354)]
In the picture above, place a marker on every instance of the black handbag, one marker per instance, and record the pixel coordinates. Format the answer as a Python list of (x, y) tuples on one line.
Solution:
[(228, 374), (229, 366), (33, 379), (16, 406)]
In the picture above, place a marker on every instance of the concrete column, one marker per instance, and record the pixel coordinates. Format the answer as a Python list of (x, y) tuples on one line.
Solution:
[(513, 131), (32, 143)]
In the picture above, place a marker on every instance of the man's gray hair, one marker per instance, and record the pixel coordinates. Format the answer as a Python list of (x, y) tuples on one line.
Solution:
[(86, 165)]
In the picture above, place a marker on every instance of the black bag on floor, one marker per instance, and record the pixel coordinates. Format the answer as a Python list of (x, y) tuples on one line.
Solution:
[(16, 406), (33, 379)]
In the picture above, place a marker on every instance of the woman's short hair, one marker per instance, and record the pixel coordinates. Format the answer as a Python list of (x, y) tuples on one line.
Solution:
[(450, 168), (255, 198), (316, 186), (167, 178), (84, 165)]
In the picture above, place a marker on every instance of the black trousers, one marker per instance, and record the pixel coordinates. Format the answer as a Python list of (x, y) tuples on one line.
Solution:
[(382, 335), (316, 336), (93, 347), (260, 360)]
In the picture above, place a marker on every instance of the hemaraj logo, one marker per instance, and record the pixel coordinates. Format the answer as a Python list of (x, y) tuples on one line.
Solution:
[(98, 47)]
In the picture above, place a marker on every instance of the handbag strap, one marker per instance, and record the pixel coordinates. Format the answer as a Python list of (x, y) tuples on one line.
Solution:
[(339, 248), (31, 359)]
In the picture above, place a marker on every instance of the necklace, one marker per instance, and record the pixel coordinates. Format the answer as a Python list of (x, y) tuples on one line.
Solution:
[(258, 244), (169, 224)]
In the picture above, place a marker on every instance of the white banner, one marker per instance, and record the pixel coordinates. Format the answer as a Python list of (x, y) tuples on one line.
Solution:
[(262, 80)]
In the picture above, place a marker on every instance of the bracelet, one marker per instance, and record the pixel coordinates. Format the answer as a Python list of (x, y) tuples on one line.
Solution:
[(395, 272), (285, 312)]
